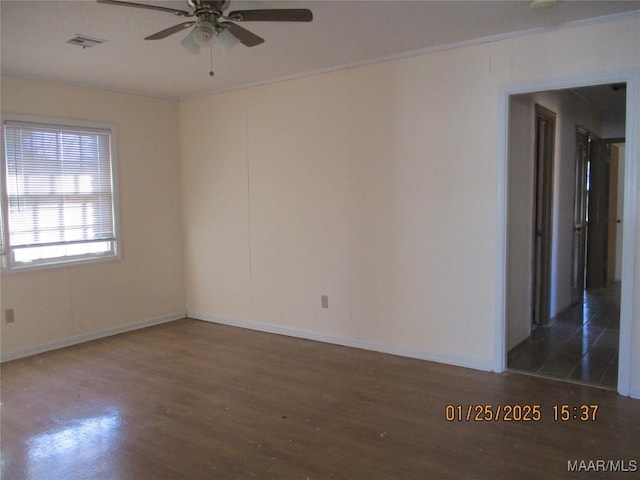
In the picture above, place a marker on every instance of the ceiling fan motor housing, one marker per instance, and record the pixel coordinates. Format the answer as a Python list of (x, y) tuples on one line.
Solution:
[(205, 29), (219, 5)]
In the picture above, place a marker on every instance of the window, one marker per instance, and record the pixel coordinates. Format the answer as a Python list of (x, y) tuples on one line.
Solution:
[(58, 194)]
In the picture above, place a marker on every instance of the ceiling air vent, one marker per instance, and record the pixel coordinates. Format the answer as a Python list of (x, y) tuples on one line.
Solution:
[(84, 41)]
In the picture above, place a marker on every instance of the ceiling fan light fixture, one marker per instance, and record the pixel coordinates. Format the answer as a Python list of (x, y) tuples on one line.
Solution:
[(226, 38), (204, 33), (190, 44)]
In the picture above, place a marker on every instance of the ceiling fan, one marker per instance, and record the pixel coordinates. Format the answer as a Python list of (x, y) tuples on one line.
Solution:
[(212, 22)]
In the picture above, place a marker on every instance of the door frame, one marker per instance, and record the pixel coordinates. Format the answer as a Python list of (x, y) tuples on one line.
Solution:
[(630, 241), (580, 205), (544, 146)]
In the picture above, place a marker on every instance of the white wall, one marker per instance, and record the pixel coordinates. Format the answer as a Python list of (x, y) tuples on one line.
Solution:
[(323, 185), (374, 185), (56, 305)]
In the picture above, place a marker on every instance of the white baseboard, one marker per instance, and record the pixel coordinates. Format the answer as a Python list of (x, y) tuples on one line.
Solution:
[(476, 364), (86, 337)]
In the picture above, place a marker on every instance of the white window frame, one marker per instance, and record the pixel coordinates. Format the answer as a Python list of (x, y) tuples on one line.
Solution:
[(8, 263)]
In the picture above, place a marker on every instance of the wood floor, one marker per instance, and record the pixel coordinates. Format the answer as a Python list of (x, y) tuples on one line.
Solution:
[(195, 400)]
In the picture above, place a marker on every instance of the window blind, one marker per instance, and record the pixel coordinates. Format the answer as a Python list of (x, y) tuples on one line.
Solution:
[(59, 191)]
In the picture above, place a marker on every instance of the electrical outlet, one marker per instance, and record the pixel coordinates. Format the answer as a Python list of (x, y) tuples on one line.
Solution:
[(9, 316), (324, 301)]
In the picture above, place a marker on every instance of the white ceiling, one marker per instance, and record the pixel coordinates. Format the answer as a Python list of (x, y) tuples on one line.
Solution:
[(343, 33)]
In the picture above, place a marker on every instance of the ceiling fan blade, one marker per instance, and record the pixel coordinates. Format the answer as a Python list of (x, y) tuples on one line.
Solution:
[(272, 15), (174, 11), (246, 37), (170, 31)]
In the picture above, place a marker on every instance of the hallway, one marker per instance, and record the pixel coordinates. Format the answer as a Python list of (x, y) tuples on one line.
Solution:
[(579, 345)]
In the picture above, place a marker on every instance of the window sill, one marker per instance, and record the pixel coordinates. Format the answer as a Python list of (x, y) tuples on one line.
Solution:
[(58, 265)]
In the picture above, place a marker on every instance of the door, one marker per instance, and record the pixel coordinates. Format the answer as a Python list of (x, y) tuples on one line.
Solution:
[(612, 220), (598, 214), (545, 127), (580, 217)]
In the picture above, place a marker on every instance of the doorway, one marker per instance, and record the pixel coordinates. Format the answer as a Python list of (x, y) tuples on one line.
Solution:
[(597, 213), (568, 326)]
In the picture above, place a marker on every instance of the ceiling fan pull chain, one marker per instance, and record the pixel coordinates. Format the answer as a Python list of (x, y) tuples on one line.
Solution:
[(211, 56)]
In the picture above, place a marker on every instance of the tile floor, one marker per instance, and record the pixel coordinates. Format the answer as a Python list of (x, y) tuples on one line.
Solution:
[(580, 344)]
